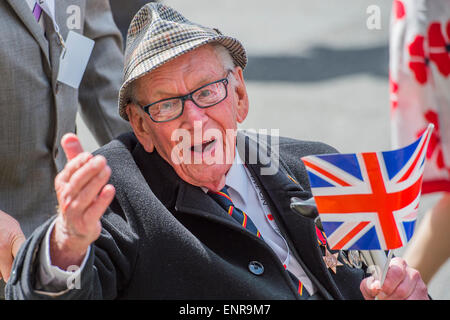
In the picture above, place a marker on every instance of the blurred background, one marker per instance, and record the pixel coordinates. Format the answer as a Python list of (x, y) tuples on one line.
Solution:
[(317, 70)]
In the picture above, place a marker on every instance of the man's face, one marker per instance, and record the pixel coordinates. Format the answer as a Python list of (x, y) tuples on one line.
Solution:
[(206, 152)]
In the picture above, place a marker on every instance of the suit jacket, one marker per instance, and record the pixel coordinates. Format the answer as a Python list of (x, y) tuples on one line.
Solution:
[(163, 238), (36, 110)]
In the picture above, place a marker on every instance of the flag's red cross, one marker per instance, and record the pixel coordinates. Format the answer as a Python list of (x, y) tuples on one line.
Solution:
[(379, 201)]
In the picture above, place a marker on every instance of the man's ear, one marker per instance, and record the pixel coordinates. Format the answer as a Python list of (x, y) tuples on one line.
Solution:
[(140, 127), (242, 96)]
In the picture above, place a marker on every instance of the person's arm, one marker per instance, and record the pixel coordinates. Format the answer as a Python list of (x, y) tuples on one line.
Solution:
[(50, 279), (430, 246), (85, 233), (99, 89)]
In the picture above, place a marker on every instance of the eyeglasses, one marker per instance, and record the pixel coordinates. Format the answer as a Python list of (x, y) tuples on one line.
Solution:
[(204, 97)]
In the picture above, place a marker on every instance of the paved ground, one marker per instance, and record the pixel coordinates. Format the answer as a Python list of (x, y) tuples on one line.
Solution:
[(315, 72)]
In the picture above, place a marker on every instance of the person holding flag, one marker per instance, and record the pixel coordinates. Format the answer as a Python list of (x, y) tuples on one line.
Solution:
[(141, 220)]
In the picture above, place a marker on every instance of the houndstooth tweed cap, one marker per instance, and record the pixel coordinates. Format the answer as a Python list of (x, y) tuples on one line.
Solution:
[(158, 34)]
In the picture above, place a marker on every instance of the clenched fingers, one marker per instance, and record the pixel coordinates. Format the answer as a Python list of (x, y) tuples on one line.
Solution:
[(370, 287), (401, 283)]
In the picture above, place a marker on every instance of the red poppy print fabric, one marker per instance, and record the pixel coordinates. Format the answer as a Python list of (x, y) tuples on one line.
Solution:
[(419, 82)]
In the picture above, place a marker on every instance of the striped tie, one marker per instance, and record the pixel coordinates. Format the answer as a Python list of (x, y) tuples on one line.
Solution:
[(224, 200)]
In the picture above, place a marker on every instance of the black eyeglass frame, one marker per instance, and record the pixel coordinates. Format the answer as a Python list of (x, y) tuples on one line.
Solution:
[(188, 97)]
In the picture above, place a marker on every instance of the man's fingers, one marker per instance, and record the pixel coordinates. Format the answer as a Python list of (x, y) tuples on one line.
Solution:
[(17, 243), (85, 174), (89, 192), (394, 276), (410, 288), (369, 288), (6, 262), (99, 206), (72, 166), (402, 282), (68, 190), (420, 291), (71, 145)]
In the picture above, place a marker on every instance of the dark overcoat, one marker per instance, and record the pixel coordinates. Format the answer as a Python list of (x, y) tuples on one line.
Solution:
[(163, 238)]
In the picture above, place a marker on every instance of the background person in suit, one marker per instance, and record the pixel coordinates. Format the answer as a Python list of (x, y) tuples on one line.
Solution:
[(124, 11), (171, 226), (36, 109)]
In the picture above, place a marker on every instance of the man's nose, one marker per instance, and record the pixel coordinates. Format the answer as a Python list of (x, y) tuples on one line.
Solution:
[(192, 113)]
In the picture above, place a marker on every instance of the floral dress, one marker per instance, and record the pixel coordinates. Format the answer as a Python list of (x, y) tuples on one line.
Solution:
[(419, 77)]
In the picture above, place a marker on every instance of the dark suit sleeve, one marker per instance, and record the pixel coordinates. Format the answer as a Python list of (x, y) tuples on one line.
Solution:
[(106, 272), (99, 89)]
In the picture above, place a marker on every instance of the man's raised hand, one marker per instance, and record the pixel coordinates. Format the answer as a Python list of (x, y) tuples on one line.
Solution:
[(83, 196)]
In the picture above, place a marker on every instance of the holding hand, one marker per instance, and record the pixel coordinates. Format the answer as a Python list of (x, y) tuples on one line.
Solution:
[(402, 283), (11, 238), (83, 196)]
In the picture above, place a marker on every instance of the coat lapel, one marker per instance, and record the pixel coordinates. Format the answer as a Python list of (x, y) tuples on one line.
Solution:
[(280, 187), (26, 16)]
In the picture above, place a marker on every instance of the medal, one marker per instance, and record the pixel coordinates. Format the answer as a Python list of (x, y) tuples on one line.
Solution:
[(331, 260), (344, 258), (355, 258)]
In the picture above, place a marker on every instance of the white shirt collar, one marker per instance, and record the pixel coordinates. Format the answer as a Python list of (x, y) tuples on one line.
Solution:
[(236, 178)]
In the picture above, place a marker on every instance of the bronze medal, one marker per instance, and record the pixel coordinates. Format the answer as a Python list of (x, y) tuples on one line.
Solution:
[(331, 260)]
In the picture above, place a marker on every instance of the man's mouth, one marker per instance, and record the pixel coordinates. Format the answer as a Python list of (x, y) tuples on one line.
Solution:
[(203, 147)]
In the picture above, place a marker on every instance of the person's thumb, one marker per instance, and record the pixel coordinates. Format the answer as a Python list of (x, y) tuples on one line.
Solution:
[(71, 145)]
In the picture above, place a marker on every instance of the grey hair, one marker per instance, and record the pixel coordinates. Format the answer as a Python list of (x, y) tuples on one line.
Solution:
[(227, 60)]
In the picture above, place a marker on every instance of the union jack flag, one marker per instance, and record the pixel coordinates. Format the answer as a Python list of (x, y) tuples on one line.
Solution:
[(369, 201)]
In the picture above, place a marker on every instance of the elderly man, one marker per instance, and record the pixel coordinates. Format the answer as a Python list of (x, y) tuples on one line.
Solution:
[(166, 213)]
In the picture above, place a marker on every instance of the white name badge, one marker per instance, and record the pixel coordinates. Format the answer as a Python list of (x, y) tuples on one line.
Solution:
[(74, 59)]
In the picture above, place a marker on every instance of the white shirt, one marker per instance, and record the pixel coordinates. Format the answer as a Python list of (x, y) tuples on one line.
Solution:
[(245, 197)]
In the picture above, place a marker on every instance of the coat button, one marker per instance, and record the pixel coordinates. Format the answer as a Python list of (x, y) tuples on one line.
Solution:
[(256, 268)]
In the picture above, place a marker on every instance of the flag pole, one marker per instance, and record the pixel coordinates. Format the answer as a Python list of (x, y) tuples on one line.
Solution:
[(386, 267), (383, 260)]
